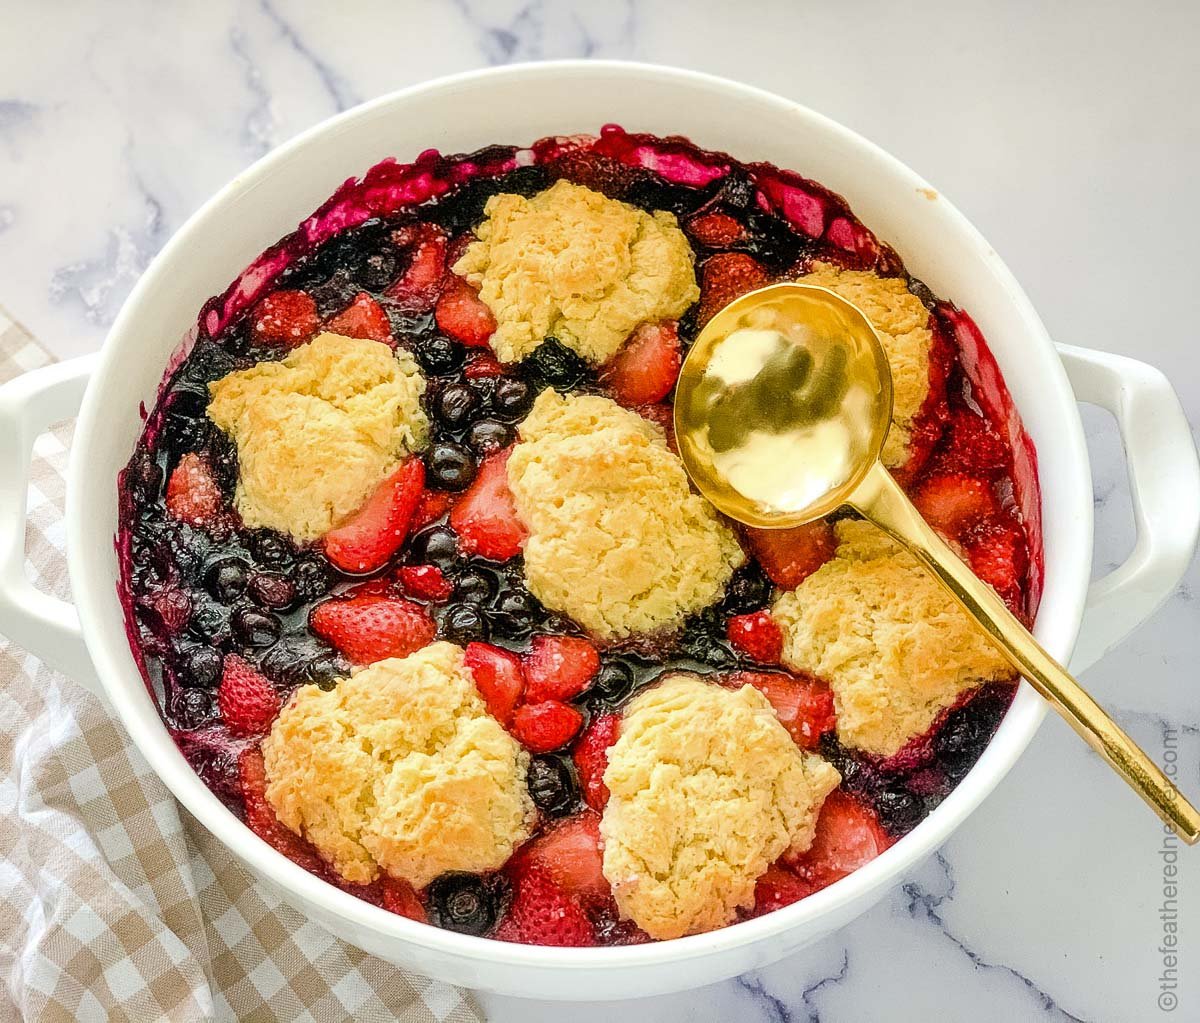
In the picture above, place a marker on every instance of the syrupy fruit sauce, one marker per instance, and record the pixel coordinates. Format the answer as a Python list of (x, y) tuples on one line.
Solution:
[(196, 595)]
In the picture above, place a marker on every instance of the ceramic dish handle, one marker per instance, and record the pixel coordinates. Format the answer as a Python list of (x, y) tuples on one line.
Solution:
[(42, 624), (1164, 485)]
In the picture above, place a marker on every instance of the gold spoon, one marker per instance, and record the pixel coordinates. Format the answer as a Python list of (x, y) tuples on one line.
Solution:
[(781, 411)]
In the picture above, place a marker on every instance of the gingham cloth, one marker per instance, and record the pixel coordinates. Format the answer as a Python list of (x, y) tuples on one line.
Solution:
[(115, 904)]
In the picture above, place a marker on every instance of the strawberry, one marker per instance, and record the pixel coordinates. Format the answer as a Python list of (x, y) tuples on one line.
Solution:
[(379, 586), (972, 445), (952, 503), (432, 505), (559, 668), (549, 725), (261, 819), (498, 678), (803, 704), (999, 555), (777, 888), (363, 318), (591, 758), (401, 898), (716, 230), (757, 636), (569, 851), (483, 364), (418, 287), (663, 414), (463, 315), (368, 629), (542, 913), (485, 517), (646, 367), (193, 495), (379, 527), (849, 835), (247, 701), (789, 556), (287, 318), (425, 582), (726, 276)]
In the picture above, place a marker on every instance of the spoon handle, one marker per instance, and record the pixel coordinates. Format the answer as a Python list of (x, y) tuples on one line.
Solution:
[(879, 498)]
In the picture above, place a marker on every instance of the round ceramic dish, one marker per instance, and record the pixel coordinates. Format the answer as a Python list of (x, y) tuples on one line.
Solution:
[(519, 104)]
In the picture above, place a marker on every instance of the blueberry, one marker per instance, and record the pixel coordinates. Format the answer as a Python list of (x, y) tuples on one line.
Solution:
[(271, 589), (454, 405), (512, 398), (737, 190), (312, 578), (613, 682), (226, 579), (300, 658), (143, 477), (450, 466), (475, 586), (436, 545), (207, 362), (555, 363), (438, 355), (378, 269), (209, 621), (334, 294), (254, 628), (488, 435), (967, 730), (551, 785), (342, 251), (707, 649), (463, 624), (199, 668), (192, 708), (271, 549), (748, 590), (899, 810), (462, 902), (515, 613)]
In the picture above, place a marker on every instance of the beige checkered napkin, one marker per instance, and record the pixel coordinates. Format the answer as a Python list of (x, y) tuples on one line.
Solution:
[(114, 903)]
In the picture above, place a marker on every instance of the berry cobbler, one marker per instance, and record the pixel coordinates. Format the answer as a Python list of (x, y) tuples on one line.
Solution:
[(420, 585)]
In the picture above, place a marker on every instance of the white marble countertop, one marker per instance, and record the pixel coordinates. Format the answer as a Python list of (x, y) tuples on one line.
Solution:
[(1069, 136)]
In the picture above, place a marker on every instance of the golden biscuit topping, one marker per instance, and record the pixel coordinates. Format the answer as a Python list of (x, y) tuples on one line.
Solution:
[(707, 791), (892, 644), (617, 540), (577, 265), (317, 431), (400, 769)]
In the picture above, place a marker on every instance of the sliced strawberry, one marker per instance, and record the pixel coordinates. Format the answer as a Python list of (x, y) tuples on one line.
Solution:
[(247, 700), (287, 318), (849, 835), (463, 315), (549, 725), (789, 556), (401, 898), (726, 276), (716, 230), (362, 318), (425, 582), (379, 586), (485, 517), (953, 503), (972, 445), (498, 677), (930, 421), (777, 888), (193, 495), (591, 758), (999, 555), (569, 851), (431, 507), (803, 704), (663, 414), (261, 819), (483, 364), (542, 913), (418, 287), (559, 668), (379, 527), (368, 629), (646, 367), (757, 636)]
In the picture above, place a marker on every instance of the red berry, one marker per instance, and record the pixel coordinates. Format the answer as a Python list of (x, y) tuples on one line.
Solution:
[(362, 318), (849, 836), (757, 636), (591, 758), (559, 668), (287, 318), (193, 495), (999, 554), (777, 888), (549, 725), (400, 897), (716, 230), (953, 503), (368, 629), (247, 701), (482, 364), (498, 677), (418, 287), (789, 556), (379, 527), (646, 367), (432, 505), (261, 819), (485, 517), (542, 913), (663, 414), (463, 315), (972, 445), (569, 851), (803, 704), (425, 582), (170, 605), (726, 276)]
